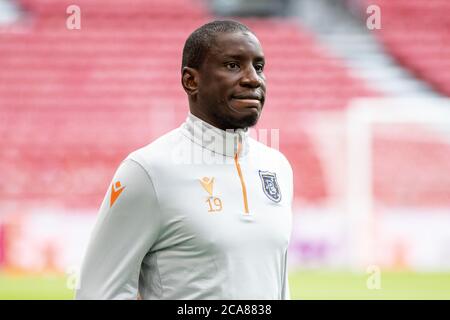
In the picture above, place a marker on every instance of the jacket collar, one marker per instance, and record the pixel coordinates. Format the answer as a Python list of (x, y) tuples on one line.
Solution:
[(227, 143)]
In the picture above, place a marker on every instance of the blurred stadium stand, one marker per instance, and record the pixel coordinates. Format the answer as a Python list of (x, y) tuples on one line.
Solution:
[(417, 34), (346, 34), (251, 8), (75, 102)]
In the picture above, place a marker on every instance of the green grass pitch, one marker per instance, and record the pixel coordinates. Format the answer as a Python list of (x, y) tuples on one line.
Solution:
[(304, 285)]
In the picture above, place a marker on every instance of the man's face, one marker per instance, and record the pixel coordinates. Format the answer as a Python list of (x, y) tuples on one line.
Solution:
[(231, 89)]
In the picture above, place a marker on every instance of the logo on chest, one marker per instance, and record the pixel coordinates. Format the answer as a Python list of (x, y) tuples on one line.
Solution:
[(214, 203), (270, 185), (208, 185)]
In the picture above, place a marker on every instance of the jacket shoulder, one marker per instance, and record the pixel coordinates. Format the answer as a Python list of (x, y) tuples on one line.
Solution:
[(159, 151), (271, 154)]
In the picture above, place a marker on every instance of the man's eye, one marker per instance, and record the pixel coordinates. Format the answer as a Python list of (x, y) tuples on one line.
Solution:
[(259, 67), (232, 66)]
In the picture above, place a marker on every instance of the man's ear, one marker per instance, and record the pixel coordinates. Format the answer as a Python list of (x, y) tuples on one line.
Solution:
[(189, 80)]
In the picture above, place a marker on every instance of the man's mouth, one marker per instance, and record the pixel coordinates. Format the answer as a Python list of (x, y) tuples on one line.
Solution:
[(249, 101)]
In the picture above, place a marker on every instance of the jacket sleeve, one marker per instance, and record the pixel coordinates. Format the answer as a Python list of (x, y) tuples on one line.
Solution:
[(285, 293), (127, 226)]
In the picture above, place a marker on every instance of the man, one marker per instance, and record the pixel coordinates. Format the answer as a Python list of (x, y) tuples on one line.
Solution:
[(203, 212)]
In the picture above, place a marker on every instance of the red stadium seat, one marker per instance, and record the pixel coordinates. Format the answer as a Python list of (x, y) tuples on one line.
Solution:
[(416, 32)]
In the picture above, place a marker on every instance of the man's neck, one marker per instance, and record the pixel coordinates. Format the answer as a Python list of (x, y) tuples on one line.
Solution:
[(224, 142), (202, 116)]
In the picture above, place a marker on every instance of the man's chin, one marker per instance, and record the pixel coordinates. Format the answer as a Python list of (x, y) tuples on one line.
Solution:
[(245, 117), (246, 121), (238, 119)]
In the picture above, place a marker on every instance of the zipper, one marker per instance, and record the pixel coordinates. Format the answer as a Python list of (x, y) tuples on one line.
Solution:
[(244, 189)]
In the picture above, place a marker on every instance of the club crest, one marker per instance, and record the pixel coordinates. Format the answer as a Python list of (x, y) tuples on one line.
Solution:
[(270, 185)]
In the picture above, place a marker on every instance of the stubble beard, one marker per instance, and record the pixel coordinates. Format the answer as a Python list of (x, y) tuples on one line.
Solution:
[(227, 121)]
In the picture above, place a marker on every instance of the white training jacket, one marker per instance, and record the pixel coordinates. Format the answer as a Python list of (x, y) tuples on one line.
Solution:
[(200, 213)]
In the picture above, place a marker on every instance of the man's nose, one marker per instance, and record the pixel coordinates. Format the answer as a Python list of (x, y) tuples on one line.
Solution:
[(251, 78)]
